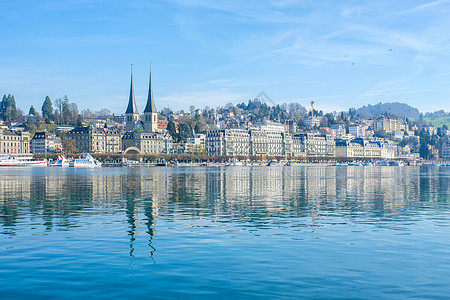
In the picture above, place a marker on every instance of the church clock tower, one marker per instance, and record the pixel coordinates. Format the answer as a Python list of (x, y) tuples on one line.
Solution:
[(150, 113), (131, 114)]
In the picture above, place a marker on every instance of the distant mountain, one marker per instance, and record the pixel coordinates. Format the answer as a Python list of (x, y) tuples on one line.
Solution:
[(393, 108)]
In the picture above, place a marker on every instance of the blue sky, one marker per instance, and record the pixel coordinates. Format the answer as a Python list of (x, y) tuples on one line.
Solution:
[(338, 53)]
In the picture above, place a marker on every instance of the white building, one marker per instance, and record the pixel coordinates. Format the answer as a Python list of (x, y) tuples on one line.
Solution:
[(312, 122), (45, 143), (339, 130), (357, 130), (195, 145), (445, 151)]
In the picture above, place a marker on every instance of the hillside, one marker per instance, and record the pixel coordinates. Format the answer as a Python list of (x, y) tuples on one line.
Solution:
[(438, 122), (393, 108)]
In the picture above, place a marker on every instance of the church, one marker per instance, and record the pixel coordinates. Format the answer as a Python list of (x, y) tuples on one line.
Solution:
[(142, 135)]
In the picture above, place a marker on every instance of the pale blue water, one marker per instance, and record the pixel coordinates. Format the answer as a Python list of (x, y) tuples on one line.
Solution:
[(233, 233)]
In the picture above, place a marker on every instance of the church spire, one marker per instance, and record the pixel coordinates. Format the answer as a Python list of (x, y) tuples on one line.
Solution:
[(132, 108), (150, 107)]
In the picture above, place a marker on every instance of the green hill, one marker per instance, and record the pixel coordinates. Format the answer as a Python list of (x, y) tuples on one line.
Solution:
[(438, 122), (393, 108)]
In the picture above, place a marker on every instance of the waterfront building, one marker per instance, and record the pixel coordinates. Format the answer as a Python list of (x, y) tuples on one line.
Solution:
[(45, 142), (145, 136), (259, 145), (445, 151), (268, 139), (232, 142), (148, 142), (14, 142), (95, 140), (195, 145), (313, 145), (362, 148)]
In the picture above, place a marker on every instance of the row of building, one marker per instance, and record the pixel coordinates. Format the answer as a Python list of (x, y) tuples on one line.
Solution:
[(258, 142)]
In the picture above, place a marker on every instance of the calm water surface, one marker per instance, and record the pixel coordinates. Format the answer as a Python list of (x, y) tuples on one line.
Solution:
[(236, 232)]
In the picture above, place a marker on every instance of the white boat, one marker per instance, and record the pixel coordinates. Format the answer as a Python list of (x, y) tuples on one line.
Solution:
[(389, 163), (84, 161), (14, 161), (61, 162)]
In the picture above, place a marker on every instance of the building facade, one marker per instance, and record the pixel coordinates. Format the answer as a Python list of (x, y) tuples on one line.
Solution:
[(95, 140), (389, 124), (445, 151), (45, 143), (313, 145), (14, 142), (148, 142), (362, 148)]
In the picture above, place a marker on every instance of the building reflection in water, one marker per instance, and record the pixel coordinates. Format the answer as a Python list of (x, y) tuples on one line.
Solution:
[(249, 196)]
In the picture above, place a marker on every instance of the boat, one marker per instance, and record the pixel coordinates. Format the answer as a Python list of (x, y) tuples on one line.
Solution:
[(237, 163), (234, 162), (162, 163), (84, 161), (389, 163), (61, 162), (14, 161)]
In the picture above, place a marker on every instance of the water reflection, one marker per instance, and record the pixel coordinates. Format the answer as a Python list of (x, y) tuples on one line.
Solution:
[(248, 196)]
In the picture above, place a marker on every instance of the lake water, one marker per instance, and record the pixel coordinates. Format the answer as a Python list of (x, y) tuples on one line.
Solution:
[(237, 232)]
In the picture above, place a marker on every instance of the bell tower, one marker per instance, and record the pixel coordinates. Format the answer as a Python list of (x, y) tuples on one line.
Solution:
[(131, 114), (150, 113)]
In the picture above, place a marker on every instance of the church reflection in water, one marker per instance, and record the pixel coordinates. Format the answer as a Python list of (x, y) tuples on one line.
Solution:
[(249, 195)]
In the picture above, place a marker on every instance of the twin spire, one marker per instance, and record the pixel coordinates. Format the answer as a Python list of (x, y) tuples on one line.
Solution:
[(150, 107)]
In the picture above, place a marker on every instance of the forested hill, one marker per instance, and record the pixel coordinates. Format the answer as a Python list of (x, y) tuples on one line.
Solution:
[(393, 108)]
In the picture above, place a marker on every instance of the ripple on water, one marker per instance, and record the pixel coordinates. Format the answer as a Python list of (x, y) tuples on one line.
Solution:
[(253, 232)]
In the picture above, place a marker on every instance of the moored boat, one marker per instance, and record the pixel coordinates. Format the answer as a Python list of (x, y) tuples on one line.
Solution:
[(84, 161), (389, 163), (15, 161), (61, 162)]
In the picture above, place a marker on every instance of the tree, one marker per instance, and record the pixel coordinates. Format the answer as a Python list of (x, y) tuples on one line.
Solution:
[(73, 113), (8, 109), (32, 111), (65, 113), (103, 113), (30, 126), (185, 132), (80, 121), (58, 110), (19, 116), (47, 109), (172, 130), (423, 150), (68, 146), (87, 113)]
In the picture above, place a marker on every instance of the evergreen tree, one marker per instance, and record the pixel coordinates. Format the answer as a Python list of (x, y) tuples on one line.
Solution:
[(172, 130), (8, 111), (32, 111), (47, 108), (424, 152), (3, 104), (185, 132)]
